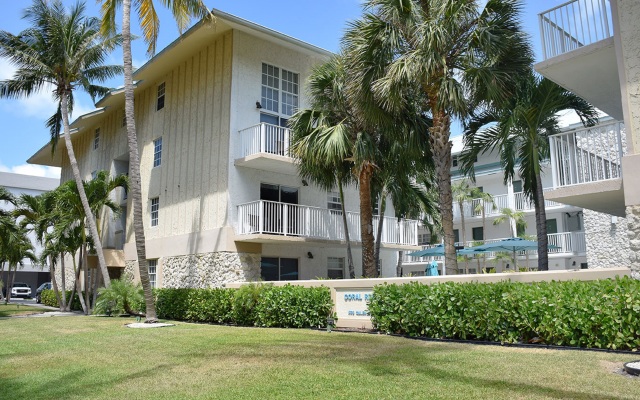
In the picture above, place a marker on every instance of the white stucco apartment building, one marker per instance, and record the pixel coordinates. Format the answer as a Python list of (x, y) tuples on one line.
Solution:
[(17, 184), (222, 198)]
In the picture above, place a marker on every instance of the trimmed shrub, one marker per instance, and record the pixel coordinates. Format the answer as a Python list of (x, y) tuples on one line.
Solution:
[(598, 314), (251, 305), (48, 298)]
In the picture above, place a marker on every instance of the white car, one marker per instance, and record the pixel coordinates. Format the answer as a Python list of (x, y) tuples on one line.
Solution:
[(20, 289)]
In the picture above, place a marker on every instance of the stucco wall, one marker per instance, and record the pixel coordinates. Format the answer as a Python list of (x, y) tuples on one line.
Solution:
[(607, 241)]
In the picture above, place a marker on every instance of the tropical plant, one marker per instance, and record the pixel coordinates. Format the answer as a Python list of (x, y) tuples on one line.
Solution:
[(15, 247), (63, 49), (519, 131), (183, 11), (122, 297), (517, 226), (449, 56), (484, 199)]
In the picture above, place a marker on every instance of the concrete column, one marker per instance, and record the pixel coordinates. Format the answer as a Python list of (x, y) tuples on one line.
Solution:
[(512, 205), (625, 15)]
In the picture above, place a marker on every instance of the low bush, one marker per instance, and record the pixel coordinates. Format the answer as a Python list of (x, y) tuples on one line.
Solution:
[(48, 298), (251, 305), (597, 314), (122, 297)]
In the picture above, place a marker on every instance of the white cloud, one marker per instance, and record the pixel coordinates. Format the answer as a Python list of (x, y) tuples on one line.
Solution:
[(35, 170)]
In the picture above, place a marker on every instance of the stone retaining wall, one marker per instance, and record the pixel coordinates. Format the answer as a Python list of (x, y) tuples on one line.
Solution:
[(209, 269)]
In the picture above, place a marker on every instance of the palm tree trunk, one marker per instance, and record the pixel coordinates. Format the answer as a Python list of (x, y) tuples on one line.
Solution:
[(381, 210), (352, 270), (441, 150), (63, 280), (463, 230), (484, 232), (87, 280), (399, 266), (11, 278), (91, 222), (80, 268), (541, 227), (134, 164), (54, 283), (366, 222)]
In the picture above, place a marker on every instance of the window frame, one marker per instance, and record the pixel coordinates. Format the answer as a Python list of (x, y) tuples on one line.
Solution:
[(477, 229), (96, 139), (157, 152), (340, 267), (266, 102), (153, 263), (155, 211), (161, 95), (334, 205), (280, 266)]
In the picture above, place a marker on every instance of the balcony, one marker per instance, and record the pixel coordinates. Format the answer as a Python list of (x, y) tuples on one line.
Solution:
[(586, 168), (569, 244), (268, 221), (473, 208), (266, 147), (577, 46)]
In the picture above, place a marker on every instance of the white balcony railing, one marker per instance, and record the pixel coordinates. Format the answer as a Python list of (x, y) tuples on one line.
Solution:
[(587, 155), (473, 208), (570, 243), (574, 24), (270, 217), (265, 138)]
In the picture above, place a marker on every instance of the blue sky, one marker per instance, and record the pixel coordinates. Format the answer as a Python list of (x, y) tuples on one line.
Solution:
[(318, 22)]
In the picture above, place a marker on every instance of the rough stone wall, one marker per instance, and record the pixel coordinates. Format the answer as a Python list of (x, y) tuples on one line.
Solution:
[(607, 243), (130, 268), (633, 224), (209, 269), (69, 275)]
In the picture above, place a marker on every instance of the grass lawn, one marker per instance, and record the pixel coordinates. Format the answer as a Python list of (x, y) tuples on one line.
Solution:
[(12, 309), (98, 358)]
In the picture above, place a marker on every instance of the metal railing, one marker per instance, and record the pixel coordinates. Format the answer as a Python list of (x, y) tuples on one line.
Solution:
[(275, 218), (587, 155), (574, 24), (265, 138), (473, 208), (573, 243)]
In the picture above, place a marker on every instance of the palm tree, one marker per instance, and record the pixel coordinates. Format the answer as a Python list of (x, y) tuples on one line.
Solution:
[(484, 199), (183, 11), (15, 247), (64, 49), (519, 131), (320, 143), (462, 193), (517, 225), (456, 54)]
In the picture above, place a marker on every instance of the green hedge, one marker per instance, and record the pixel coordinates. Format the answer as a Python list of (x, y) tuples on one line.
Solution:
[(597, 314), (252, 305), (48, 298)]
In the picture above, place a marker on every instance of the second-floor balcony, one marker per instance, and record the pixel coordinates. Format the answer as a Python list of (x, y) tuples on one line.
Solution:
[(519, 202), (586, 167), (567, 243), (266, 147), (278, 219), (579, 52)]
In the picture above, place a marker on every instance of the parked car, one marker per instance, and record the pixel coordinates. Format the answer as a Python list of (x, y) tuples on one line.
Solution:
[(44, 286), (20, 289)]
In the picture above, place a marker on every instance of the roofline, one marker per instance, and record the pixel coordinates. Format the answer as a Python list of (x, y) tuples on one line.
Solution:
[(233, 20)]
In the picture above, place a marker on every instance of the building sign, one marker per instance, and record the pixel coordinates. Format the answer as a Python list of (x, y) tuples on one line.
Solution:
[(353, 303)]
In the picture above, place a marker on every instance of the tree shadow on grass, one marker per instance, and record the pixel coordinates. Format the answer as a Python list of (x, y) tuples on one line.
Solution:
[(73, 384)]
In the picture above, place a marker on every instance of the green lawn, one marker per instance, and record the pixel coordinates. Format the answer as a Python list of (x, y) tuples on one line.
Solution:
[(8, 310), (98, 358)]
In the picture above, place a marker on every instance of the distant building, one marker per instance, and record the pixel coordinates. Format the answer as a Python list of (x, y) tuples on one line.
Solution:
[(32, 274)]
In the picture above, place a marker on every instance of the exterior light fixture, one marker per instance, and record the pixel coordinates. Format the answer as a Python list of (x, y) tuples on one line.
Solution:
[(309, 255), (258, 105)]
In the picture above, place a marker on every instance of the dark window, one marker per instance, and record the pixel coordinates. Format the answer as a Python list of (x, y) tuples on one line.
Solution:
[(517, 186), (584, 266), (160, 101), (552, 226), (456, 235), (454, 161), (478, 233), (279, 269), (335, 267)]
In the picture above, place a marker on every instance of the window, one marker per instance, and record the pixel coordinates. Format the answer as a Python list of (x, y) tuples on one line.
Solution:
[(279, 269), (96, 139), (552, 226), (160, 101), (477, 233), (157, 152), (456, 235), (277, 98), (124, 119), (424, 239), (335, 267), (454, 161), (333, 203), (517, 186), (155, 208), (153, 264)]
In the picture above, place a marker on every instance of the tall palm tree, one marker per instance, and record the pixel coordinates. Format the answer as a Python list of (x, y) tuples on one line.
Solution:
[(64, 49), (183, 11), (517, 225), (15, 247), (457, 54), (519, 131), (462, 194), (484, 199)]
